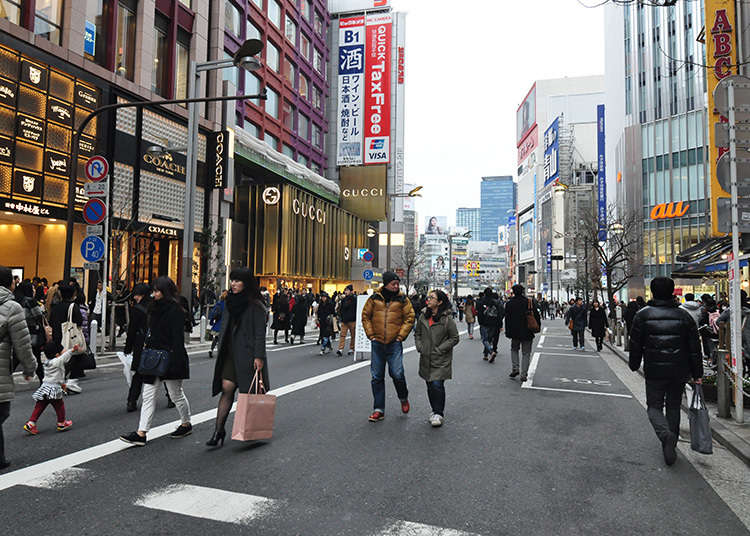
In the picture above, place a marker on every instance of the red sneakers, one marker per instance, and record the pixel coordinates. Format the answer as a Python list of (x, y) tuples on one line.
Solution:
[(405, 406), (31, 428), (376, 416), (61, 427)]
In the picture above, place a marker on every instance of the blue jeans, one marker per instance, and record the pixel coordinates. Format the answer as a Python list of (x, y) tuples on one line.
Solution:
[(326, 343), (436, 394), (393, 354), (487, 334)]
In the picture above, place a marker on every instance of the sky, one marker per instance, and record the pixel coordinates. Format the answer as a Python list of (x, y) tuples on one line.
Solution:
[(469, 64)]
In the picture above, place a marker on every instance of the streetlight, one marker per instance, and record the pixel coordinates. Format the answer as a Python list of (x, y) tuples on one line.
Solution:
[(414, 192), (244, 58)]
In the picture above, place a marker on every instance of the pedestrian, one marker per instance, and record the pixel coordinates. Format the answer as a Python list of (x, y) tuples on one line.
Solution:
[(214, 318), (280, 322), (166, 321), (348, 313), (14, 340), (665, 339), (242, 346), (96, 306), (490, 321), (387, 319), (470, 314), (35, 319), (299, 318), (136, 338), (435, 337), (598, 324), (61, 311), (693, 308), (708, 327), (51, 392), (517, 311), (576, 319), (325, 322)]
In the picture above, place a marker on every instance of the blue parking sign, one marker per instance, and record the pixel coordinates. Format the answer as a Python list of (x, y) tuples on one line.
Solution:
[(92, 249)]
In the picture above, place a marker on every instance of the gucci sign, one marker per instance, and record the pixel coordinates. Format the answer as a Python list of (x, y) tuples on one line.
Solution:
[(308, 210)]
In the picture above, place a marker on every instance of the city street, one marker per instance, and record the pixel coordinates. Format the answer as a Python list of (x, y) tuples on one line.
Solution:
[(569, 452)]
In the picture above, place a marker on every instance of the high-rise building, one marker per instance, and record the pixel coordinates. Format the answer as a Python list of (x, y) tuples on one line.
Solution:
[(498, 201), (470, 219)]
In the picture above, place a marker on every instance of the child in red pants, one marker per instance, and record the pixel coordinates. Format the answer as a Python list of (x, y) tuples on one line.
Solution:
[(51, 392)]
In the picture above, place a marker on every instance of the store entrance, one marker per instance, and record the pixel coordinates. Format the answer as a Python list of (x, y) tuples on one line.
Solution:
[(151, 258)]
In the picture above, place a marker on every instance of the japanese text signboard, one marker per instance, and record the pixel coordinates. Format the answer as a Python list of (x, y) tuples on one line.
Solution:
[(378, 89), (601, 176), (351, 91), (552, 152)]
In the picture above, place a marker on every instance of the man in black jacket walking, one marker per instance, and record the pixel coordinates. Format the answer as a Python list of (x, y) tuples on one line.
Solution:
[(665, 338), (348, 313), (490, 315), (517, 329)]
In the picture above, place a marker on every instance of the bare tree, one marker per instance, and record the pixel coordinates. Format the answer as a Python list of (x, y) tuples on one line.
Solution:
[(411, 261), (211, 269)]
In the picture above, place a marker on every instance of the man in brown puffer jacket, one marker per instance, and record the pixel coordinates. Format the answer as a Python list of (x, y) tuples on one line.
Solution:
[(387, 319)]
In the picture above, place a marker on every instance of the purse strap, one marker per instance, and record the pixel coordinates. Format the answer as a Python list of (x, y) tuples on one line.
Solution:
[(70, 312)]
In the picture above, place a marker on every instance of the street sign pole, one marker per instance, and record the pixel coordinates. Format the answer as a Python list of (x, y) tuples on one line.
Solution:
[(734, 306), (103, 278)]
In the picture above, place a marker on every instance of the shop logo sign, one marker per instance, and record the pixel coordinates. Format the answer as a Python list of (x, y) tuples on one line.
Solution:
[(28, 183), (271, 195), (308, 210), (35, 75), (665, 211)]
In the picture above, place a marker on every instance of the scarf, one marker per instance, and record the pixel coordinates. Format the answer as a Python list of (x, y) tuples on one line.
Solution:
[(388, 295), (237, 303)]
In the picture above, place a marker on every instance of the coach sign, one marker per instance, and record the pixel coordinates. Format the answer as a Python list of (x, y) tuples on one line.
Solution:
[(220, 151)]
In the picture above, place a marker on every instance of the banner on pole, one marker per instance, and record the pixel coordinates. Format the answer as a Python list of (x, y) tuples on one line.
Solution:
[(601, 176), (361, 342)]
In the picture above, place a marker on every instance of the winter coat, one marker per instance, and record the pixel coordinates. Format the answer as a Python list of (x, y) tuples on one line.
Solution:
[(598, 322), (14, 334), (694, 310), (578, 315), (348, 309), (35, 322), (484, 309), (516, 322), (248, 342), (469, 313), (299, 317), (387, 322), (325, 317), (215, 315), (166, 322), (725, 317), (59, 315), (54, 369), (137, 329), (630, 312), (435, 346), (280, 310), (665, 338)]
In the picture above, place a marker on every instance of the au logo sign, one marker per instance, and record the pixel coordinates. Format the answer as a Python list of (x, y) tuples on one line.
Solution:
[(665, 211)]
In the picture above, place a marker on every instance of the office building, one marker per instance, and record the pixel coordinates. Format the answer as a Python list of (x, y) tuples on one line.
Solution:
[(498, 201), (469, 218)]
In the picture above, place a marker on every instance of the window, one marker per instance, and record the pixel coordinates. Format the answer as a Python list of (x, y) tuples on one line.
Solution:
[(48, 20), (317, 138), (318, 23), (317, 98), (252, 84), (181, 71), (290, 29), (250, 128), (232, 19), (158, 82), (274, 13), (272, 103), (229, 74), (252, 31), (304, 84), (305, 7), (186, 3), (287, 151), (258, 3), (304, 46), (11, 10), (318, 63), (125, 51), (272, 56), (271, 140), (303, 126), (94, 40), (287, 115), (290, 71), (302, 159)]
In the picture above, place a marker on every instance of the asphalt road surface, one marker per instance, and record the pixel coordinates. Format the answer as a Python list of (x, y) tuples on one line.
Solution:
[(568, 452)]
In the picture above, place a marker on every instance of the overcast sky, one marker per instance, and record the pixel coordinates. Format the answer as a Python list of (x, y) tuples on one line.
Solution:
[(469, 64)]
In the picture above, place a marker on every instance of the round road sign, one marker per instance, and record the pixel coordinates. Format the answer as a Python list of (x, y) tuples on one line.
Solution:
[(96, 168), (92, 248), (368, 256), (94, 211), (367, 275)]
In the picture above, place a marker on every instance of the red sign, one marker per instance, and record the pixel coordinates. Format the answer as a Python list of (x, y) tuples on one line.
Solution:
[(401, 64), (96, 168), (378, 32), (94, 211), (528, 145)]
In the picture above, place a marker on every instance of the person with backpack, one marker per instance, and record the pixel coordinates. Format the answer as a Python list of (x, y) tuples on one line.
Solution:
[(488, 314), (214, 318), (517, 312), (136, 337), (693, 308)]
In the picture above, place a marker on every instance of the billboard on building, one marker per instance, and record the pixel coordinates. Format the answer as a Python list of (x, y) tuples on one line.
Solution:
[(350, 6), (528, 145), (526, 116), (502, 235), (436, 225), (378, 30), (601, 176), (351, 93), (409, 202), (552, 152), (721, 55), (526, 237), (363, 191)]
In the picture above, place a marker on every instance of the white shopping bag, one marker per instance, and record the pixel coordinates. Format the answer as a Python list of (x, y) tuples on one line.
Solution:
[(127, 361)]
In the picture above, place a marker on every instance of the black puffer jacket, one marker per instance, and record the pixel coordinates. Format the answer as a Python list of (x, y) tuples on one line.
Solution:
[(348, 308), (665, 338)]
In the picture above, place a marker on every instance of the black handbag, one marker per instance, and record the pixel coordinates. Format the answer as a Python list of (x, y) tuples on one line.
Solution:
[(153, 362)]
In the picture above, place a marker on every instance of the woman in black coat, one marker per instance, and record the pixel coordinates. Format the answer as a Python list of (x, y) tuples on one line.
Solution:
[(598, 323), (281, 315), (299, 318), (242, 346), (137, 328), (325, 313), (166, 320)]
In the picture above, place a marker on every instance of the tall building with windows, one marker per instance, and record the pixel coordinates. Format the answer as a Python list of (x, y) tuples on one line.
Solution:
[(470, 218), (656, 127), (498, 201)]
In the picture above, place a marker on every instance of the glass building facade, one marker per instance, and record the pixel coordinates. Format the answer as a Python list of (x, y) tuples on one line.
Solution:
[(470, 218), (498, 201)]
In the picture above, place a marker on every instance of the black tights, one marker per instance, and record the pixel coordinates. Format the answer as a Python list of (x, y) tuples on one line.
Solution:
[(225, 403)]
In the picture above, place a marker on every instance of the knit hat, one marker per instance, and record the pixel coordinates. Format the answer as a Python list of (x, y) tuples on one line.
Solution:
[(242, 274), (349, 287), (390, 276)]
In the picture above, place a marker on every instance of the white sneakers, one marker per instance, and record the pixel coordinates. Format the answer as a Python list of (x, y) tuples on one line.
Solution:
[(72, 386), (436, 420)]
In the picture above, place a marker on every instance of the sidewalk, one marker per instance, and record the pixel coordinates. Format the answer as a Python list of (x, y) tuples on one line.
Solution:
[(734, 436)]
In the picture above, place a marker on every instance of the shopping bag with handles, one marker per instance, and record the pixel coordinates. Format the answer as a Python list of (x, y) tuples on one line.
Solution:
[(255, 412), (700, 429)]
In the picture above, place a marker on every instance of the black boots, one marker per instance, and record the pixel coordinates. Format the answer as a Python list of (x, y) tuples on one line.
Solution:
[(217, 438)]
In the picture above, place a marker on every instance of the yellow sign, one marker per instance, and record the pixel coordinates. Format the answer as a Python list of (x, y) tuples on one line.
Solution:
[(721, 53)]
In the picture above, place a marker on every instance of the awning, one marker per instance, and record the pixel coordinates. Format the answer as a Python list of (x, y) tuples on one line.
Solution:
[(705, 250)]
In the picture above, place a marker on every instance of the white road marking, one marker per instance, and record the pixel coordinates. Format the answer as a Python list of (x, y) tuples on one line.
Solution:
[(572, 354), (532, 370), (541, 339), (290, 347), (574, 391), (545, 330), (210, 503), (407, 528), (60, 479)]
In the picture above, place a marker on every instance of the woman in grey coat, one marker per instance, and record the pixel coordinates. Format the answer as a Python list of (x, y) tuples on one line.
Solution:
[(242, 346), (14, 335), (435, 337)]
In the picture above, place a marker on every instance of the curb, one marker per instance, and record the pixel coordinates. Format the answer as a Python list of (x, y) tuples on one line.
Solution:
[(733, 443)]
